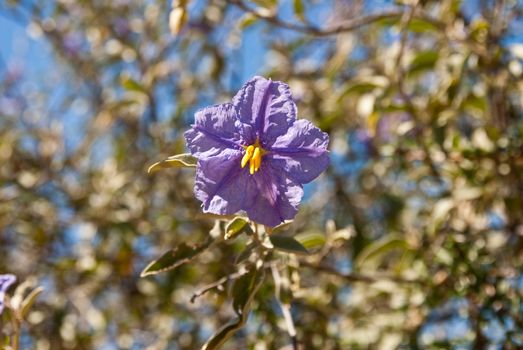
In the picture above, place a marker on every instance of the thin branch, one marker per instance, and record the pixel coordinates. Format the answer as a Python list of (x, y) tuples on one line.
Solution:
[(217, 284), (343, 27), (285, 307), (400, 79), (356, 277), (222, 281)]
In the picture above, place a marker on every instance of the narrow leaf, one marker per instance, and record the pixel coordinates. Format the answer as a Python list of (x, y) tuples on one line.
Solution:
[(184, 160), (287, 244), (29, 300), (379, 248), (247, 20), (424, 60), (282, 227), (299, 9), (177, 19), (130, 84), (174, 258), (311, 240)]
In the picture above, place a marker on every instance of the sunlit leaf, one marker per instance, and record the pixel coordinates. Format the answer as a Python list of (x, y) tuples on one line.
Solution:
[(299, 9), (364, 85), (416, 25), (282, 227), (237, 226), (247, 20), (29, 301), (424, 60), (177, 19), (130, 84), (178, 161), (377, 249), (311, 240), (266, 4)]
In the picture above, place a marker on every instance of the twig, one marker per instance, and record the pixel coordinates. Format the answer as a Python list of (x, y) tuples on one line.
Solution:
[(217, 284), (16, 321), (356, 277), (405, 21), (222, 281), (285, 307), (347, 26)]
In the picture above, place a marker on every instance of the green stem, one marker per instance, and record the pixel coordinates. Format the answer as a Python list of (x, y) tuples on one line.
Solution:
[(15, 340)]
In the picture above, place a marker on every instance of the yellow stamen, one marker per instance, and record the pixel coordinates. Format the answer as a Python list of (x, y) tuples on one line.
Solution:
[(256, 157), (253, 155), (248, 155)]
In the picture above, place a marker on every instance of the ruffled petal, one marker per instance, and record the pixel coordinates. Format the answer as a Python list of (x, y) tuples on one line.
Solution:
[(269, 197), (215, 129), (5, 282), (222, 185), (301, 152), (277, 197), (267, 106)]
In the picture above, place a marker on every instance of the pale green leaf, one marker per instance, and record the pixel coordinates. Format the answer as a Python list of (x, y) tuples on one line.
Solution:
[(425, 60), (130, 84), (311, 240), (29, 301), (184, 160), (375, 252), (237, 226)]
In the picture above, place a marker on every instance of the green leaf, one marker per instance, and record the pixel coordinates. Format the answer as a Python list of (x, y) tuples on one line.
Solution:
[(416, 25), (236, 227), (247, 20), (311, 240), (29, 301), (243, 291), (287, 244), (424, 60), (178, 17), (266, 4), (174, 258), (379, 248), (282, 227), (184, 160), (364, 85), (130, 84), (299, 9)]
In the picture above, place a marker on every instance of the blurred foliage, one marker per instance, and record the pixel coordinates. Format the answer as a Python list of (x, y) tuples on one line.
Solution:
[(414, 237)]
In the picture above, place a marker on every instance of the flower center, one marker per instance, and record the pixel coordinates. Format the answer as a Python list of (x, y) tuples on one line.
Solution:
[(253, 156)]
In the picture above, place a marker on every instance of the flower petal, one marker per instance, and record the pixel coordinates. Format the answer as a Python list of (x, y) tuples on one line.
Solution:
[(221, 184), (5, 282), (277, 197), (267, 106), (301, 152), (215, 128), (269, 196)]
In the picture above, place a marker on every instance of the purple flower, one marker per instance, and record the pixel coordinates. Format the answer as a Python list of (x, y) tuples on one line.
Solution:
[(5, 282), (254, 155)]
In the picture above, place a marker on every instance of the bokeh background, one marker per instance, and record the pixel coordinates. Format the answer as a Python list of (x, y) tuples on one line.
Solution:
[(421, 208)]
